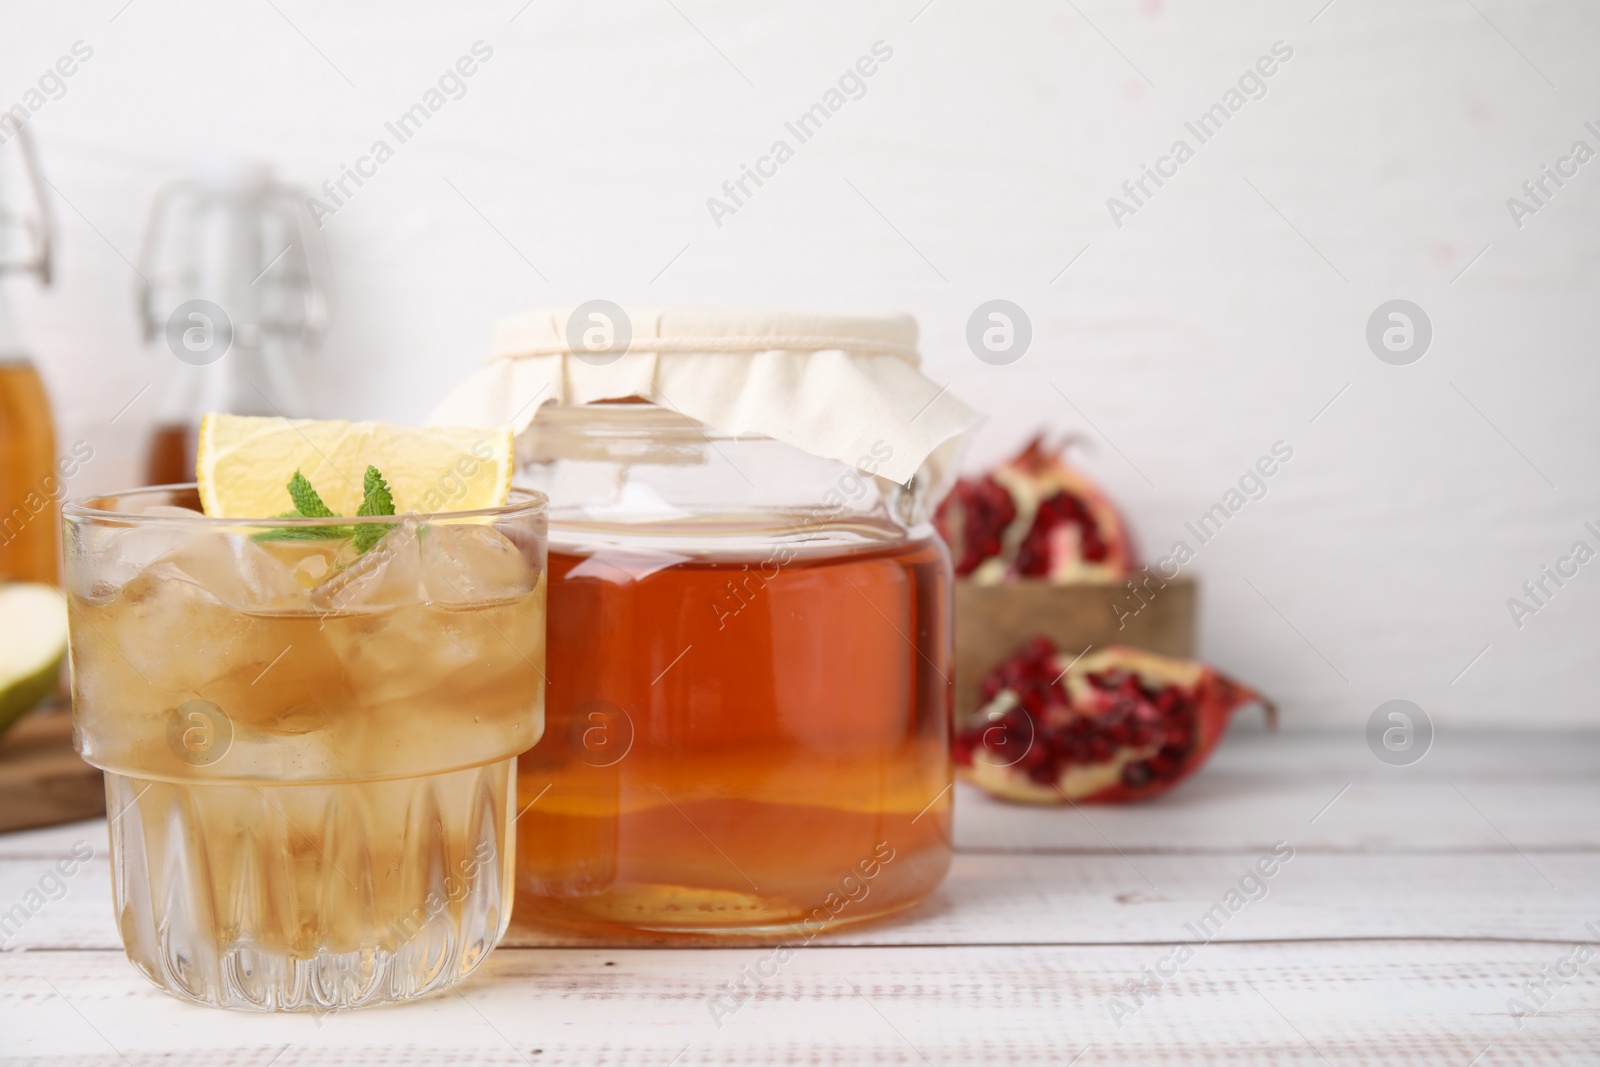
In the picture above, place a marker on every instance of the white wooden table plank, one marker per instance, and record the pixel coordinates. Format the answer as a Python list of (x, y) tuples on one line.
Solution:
[(1476, 791), (1413, 1003), (1221, 814), (1460, 877), (1096, 899), (1472, 791)]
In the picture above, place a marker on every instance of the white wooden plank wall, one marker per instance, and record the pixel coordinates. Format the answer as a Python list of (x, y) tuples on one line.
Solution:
[(1227, 314)]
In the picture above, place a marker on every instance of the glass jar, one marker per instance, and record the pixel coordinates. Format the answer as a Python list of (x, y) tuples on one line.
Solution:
[(309, 748), (748, 703)]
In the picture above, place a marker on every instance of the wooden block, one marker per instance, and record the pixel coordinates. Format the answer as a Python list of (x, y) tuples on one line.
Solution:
[(994, 621), (43, 782)]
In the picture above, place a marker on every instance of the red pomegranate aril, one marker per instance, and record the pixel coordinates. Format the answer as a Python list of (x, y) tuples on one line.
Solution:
[(1021, 510), (1036, 763), (1114, 725), (1148, 715), (984, 509)]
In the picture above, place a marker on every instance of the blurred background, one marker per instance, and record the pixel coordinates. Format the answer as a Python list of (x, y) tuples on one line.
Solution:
[(1181, 331)]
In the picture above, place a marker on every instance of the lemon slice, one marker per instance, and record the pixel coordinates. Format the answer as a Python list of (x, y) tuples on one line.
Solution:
[(33, 639), (245, 463)]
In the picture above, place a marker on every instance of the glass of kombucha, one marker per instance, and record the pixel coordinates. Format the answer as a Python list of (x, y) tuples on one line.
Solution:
[(749, 685), (309, 750)]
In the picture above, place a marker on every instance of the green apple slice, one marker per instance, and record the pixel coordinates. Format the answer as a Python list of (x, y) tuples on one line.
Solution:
[(33, 641)]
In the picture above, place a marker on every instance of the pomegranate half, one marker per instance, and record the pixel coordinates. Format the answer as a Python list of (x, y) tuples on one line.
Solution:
[(1117, 725), (1035, 516)]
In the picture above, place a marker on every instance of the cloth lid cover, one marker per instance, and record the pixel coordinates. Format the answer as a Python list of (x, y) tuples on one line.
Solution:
[(832, 385)]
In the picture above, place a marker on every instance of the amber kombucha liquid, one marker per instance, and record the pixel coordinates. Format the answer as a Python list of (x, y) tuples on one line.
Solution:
[(739, 745), (30, 514)]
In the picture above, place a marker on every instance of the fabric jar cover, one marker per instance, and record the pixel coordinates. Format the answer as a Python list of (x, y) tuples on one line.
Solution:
[(831, 385)]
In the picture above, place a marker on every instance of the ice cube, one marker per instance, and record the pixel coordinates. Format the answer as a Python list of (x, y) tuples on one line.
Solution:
[(277, 757), (232, 568), (102, 559), (388, 574), (467, 563), (311, 562)]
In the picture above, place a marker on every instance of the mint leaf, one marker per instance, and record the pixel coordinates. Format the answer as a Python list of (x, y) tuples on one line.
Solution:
[(302, 533), (368, 534), (307, 503), (377, 501), (377, 498)]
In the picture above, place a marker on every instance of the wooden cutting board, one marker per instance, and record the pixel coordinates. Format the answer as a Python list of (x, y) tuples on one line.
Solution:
[(42, 780)]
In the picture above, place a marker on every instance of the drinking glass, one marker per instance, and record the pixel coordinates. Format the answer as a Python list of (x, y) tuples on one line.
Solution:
[(309, 749)]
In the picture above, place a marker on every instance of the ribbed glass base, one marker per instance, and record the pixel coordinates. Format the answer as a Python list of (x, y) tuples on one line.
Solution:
[(312, 896)]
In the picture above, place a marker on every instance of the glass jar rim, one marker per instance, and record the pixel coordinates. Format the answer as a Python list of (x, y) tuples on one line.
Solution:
[(629, 417), (523, 502)]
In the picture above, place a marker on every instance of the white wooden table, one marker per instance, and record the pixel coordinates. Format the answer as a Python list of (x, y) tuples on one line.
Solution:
[(1417, 903)]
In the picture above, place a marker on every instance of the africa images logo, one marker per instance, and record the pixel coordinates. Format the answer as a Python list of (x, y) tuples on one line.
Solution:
[(1252, 85), (851, 85)]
